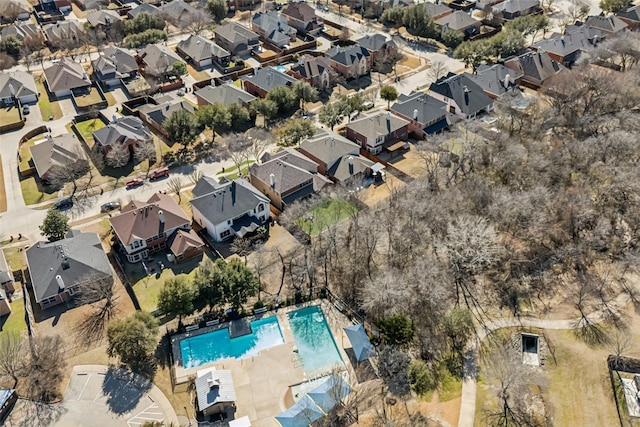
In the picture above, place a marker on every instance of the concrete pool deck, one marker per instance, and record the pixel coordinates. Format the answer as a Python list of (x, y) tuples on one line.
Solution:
[(262, 382)]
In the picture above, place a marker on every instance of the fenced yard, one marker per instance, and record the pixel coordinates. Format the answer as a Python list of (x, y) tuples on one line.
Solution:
[(324, 215)]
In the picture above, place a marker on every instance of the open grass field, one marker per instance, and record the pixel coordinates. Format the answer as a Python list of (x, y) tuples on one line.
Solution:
[(10, 115), (324, 215), (91, 98), (34, 192), (47, 108)]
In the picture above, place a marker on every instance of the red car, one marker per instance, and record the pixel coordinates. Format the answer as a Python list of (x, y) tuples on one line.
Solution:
[(135, 183)]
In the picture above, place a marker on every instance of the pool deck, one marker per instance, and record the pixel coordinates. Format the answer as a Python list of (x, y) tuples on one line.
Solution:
[(262, 382)]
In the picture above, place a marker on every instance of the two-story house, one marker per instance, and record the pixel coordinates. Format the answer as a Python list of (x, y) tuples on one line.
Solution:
[(535, 67), (426, 114), (496, 79), (351, 61), (145, 228), (273, 27), (464, 97), (264, 80), (202, 52), (127, 130), (378, 130), (315, 70), (114, 65), (236, 38), (303, 18), (230, 209), (378, 46)]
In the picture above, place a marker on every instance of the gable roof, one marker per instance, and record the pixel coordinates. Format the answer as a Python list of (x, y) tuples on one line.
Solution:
[(114, 62), (21, 30), (17, 83), (348, 166), (62, 30), (178, 11), (139, 220), (576, 38), (274, 25), (268, 78), (537, 65), (159, 113), (465, 92), (214, 386), (426, 107), (375, 42), (328, 146), (377, 123), (77, 258), (349, 55), (158, 59), (630, 12), (514, 6), (66, 74), (434, 9), (183, 240), (300, 11), (312, 66), (60, 150), (458, 20), (225, 94), (122, 129), (103, 17), (492, 78), (609, 24), (287, 169), (145, 8), (235, 32), (199, 48), (221, 202)]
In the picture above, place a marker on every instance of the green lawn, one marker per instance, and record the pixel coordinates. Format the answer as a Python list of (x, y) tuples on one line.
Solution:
[(14, 322), (87, 128), (9, 115), (47, 108), (33, 192), (325, 214), (15, 258), (111, 100), (25, 152), (234, 168)]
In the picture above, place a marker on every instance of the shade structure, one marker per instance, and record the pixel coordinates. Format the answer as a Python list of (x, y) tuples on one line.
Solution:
[(360, 342), (328, 394), (303, 413)]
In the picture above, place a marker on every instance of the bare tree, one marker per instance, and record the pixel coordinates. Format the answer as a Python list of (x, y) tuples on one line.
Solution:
[(99, 293), (11, 355), (238, 148), (118, 156), (437, 70), (260, 140), (195, 176), (45, 369), (175, 186), (71, 172), (146, 151)]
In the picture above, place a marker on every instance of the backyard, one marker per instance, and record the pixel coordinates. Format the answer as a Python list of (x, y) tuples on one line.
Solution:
[(87, 99), (33, 191), (10, 115), (14, 322), (327, 213), (49, 110), (87, 127)]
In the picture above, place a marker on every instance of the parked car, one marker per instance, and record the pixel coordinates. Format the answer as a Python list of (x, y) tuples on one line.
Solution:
[(159, 173), (109, 206), (367, 105), (25, 109), (135, 183), (64, 204)]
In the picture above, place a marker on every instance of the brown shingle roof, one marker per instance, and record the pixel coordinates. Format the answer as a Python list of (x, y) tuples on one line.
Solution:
[(184, 240)]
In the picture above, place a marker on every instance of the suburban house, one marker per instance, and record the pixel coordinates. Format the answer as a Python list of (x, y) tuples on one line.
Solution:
[(60, 269), (437, 10), (145, 8), (21, 7), (426, 114), (64, 76), (236, 38), (378, 46), (180, 13), (57, 34), (104, 19), (351, 61), (57, 151), (286, 176), (202, 52), (114, 65), (215, 391), (230, 209), (157, 60), (7, 281), (17, 85), (225, 94), (567, 48), (264, 80), (234, 5), (464, 97), (127, 130), (145, 228), (23, 30), (315, 70), (460, 21), (155, 114), (303, 18), (610, 24), (535, 67), (495, 79), (630, 14), (512, 9), (379, 130), (273, 28), (338, 158)]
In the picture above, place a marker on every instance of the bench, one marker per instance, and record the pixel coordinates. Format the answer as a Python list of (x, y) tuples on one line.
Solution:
[(212, 322), (260, 310), (338, 306), (192, 328)]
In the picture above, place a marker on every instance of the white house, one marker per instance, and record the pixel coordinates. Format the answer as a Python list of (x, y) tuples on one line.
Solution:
[(234, 208)]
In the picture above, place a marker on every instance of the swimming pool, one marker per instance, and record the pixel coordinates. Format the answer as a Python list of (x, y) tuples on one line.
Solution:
[(314, 340), (218, 345), (281, 68)]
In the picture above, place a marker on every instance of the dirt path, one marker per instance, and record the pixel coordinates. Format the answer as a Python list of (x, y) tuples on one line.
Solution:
[(469, 384)]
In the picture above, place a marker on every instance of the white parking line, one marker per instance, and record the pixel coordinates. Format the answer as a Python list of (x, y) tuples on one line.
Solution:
[(85, 386)]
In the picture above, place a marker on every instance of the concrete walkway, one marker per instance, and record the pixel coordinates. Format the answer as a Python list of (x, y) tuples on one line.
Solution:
[(469, 384)]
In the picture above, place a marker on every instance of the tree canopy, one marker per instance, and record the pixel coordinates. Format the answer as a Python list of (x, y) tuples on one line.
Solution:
[(133, 339), (176, 297), (294, 131), (55, 225), (182, 127), (331, 114), (388, 93)]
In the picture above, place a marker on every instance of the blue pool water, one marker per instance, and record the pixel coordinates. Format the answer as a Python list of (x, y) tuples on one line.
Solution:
[(218, 345), (281, 68), (314, 340)]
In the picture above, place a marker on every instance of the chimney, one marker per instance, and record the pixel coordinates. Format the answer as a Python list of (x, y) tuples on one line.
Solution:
[(272, 180), (415, 114), (12, 90), (167, 105), (60, 283), (161, 217), (65, 263), (350, 165), (507, 79), (562, 40)]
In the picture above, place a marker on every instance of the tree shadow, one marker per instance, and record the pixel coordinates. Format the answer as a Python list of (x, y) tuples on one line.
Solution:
[(39, 413), (124, 388)]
